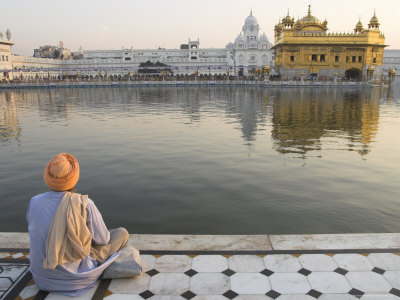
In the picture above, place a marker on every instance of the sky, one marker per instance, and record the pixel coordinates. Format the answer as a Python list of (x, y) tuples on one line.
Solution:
[(149, 24)]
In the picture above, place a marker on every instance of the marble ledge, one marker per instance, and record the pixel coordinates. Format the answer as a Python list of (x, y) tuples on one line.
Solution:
[(14, 240), (166, 242), (201, 242), (336, 241)]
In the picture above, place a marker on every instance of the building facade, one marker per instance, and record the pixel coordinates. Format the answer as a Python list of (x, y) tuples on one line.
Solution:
[(305, 48), (250, 51), (391, 61), (55, 52), (6, 64)]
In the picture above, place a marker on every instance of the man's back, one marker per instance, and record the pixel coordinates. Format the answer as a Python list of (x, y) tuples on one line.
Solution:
[(72, 278)]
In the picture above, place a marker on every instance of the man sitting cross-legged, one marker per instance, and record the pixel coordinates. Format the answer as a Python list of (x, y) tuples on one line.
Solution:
[(70, 246)]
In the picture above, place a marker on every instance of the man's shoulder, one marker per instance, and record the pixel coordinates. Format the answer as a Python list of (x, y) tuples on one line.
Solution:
[(47, 195)]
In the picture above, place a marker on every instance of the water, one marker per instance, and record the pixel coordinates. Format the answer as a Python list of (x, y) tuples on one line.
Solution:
[(211, 160)]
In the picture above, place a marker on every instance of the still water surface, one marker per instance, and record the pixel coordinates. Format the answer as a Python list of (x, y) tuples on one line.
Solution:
[(211, 160)]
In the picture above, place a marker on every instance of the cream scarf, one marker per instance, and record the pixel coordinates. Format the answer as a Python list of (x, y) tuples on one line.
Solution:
[(69, 239)]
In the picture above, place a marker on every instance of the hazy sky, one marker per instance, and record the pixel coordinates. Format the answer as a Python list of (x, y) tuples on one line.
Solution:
[(111, 24)]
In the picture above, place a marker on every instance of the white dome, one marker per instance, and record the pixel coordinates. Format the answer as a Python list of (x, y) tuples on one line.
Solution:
[(263, 38), (251, 20), (239, 38), (230, 45)]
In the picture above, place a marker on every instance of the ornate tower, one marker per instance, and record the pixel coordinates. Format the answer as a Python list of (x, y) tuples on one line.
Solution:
[(250, 28), (374, 23), (288, 22), (359, 27)]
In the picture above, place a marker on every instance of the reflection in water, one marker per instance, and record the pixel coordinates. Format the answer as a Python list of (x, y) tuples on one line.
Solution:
[(9, 124), (393, 94), (51, 104), (177, 160), (250, 109), (303, 118)]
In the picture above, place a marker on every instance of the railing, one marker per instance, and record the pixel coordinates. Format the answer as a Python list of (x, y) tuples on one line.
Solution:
[(83, 84)]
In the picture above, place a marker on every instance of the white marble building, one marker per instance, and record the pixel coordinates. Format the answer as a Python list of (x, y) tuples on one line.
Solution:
[(249, 51), (391, 60), (5, 56)]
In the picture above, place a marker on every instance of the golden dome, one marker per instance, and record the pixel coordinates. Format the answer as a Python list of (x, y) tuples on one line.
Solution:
[(374, 22), (310, 19), (288, 19), (359, 26), (311, 23)]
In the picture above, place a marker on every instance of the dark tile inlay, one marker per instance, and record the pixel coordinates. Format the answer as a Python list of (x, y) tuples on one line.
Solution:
[(228, 272), (304, 272), (1, 269), (230, 294), (341, 271), (146, 294), (379, 271), (191, 272), (395, 292), (314, 293), (267, 272), (273, 294), (152, 272), (188, 294), (356, 293)]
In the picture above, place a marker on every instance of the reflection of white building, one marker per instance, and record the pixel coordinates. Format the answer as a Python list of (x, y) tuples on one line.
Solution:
[(249, 51)]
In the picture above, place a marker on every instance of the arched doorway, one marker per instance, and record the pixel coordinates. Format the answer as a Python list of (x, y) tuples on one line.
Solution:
[(353, 74), (241, 71)]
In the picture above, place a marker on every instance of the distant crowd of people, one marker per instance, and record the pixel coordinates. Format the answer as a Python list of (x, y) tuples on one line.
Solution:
[(169, 77)]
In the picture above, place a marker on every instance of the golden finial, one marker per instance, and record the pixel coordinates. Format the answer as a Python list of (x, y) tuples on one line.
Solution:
[(309, 10)]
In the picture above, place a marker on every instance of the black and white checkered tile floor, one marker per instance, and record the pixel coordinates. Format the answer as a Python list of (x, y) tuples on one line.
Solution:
[(238, 276)]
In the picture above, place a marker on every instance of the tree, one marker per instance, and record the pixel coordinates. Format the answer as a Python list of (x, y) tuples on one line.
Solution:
[(56, 54), (149, 67), (8, 34)]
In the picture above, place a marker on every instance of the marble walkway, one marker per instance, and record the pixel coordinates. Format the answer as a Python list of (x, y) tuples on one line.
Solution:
[(311, 272)]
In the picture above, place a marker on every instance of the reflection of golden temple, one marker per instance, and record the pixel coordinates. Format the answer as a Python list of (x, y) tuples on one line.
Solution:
[(369, 125), (9, 124), (306, 46), (300, 124)]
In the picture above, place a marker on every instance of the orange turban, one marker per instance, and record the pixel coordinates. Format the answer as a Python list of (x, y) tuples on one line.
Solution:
[(62, 172)]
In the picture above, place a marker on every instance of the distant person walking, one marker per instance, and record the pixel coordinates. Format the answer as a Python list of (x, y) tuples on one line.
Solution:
[(70, 245)]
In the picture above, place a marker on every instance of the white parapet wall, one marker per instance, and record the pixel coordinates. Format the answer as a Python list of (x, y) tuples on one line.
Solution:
[(262, 243)]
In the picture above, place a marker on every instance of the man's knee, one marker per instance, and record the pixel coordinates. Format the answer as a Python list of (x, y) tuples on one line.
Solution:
[(123, 232), (120, 234)]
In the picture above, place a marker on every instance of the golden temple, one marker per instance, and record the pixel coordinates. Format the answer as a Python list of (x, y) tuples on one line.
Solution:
[(305, 49)]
